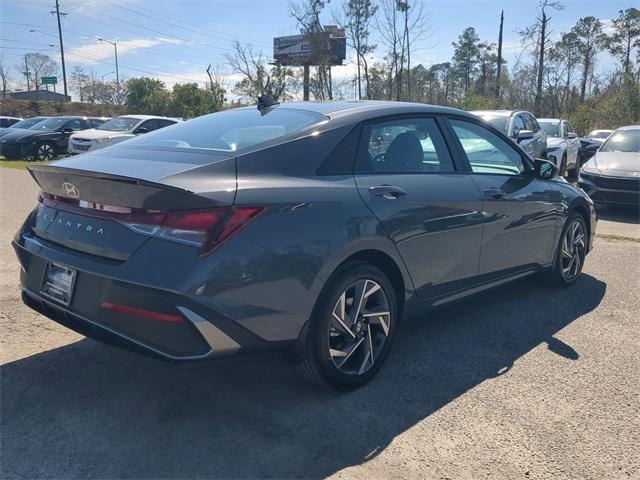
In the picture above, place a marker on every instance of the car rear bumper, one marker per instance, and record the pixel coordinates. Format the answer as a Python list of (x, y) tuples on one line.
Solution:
[(611, 190), (196, 330)]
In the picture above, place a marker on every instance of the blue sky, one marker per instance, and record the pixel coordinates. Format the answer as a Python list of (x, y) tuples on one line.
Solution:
[(175, 40)]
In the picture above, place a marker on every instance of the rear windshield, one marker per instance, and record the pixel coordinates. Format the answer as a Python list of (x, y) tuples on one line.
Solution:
[(28, 123), (622, 141), (229, 131), (551, 128), (50, 124), (119, 124), (501, 122)]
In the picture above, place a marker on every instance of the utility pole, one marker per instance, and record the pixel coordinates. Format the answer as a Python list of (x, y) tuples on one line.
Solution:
[(499, 57), (115, 49), (64, 70), (26, 72)]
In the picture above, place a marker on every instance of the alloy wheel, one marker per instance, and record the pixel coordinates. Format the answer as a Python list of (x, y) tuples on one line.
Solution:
[(359, 327), (45, 152), (573, 250)]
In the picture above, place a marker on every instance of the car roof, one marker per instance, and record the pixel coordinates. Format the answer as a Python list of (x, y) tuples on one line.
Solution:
[(497, 113), (146, 117), (551, 120), (630, 127), (358, 110)]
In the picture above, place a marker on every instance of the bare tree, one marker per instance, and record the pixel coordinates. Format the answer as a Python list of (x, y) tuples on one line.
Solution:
[(39, 65), (80, 80), (4, 77), (307, 15), (356, 19), (258, 79)]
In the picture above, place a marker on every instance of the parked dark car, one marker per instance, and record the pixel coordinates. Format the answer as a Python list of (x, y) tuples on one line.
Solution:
[(23, 124), (44, 140), (612, 176), (311, 227), (588, 148), (520, 126)]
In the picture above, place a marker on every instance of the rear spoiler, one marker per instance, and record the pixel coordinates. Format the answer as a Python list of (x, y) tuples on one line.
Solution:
[(117, 190)]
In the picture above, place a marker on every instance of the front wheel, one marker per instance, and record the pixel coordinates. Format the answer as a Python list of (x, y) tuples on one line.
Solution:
[(45, 152), (350, 332), (571, 252)]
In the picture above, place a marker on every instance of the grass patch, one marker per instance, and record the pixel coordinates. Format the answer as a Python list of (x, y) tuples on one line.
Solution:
[(18, 164)]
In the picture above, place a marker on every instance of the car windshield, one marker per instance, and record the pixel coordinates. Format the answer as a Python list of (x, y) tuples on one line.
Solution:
[(28, 123), (229, 131), (50, 124), (119, 124), (551, 128), (501, 122), (599, 134), (622, 141)]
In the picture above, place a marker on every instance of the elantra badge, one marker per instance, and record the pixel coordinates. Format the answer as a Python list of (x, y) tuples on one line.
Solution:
[(70, 190)]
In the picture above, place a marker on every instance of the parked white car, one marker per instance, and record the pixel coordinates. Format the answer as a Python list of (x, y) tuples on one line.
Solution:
[(599, 135), (563, 145), (115, 131)]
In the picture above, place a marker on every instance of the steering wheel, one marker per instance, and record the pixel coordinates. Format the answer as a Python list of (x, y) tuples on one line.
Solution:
[(379, 157)]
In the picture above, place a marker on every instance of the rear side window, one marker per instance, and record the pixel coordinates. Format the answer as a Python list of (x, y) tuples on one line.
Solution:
[(401, 146), (229, 132), (486, 152)]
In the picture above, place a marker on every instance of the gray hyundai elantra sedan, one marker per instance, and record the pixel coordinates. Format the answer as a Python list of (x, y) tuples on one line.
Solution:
[(310, 227)]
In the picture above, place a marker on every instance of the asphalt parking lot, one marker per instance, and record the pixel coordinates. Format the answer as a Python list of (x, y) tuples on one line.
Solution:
[(523, 382)]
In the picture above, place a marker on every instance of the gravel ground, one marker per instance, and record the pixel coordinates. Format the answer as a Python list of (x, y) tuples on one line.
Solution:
[(523, 382)]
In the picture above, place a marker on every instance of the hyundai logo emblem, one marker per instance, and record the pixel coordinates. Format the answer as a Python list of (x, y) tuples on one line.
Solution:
[(70, 190)]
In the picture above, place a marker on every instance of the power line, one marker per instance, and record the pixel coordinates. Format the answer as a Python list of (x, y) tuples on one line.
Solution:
[(208, 34)]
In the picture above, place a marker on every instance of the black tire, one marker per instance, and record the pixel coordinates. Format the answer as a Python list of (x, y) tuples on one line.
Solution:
[(44, 152), (319, 362), (558, 274)]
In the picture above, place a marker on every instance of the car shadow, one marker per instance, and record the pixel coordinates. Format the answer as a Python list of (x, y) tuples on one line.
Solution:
[(620, 214), (87, 410)]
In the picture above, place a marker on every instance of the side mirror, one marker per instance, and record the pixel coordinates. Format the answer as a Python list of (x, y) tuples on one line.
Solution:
[(572, 135), (67, 130), (524, 135), (544, 169), (141, 130)]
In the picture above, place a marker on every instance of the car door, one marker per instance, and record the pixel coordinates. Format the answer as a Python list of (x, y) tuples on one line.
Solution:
[(539, 141), (573, 143), (62, 140), (406, 174), (521, 210)]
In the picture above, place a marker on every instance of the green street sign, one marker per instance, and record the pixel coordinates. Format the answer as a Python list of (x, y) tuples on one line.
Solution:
[(49, 80)]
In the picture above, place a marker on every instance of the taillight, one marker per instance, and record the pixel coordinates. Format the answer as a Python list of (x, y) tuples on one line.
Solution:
[(206, 229)]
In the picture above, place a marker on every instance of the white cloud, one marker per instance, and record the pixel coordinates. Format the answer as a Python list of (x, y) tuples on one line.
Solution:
[(98, 51)]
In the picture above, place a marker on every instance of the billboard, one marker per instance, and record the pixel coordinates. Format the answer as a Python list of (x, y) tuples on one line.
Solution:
[(325, 47)]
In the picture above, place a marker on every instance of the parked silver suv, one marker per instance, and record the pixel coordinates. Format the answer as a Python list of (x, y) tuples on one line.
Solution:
[(562, 145), (521, 127)]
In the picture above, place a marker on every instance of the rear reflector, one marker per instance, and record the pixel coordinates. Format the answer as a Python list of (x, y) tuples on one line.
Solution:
[(137, 312), (206, 229)]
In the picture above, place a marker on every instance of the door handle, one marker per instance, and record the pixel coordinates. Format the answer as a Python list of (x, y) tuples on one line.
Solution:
[(494, 192), (390, 192)]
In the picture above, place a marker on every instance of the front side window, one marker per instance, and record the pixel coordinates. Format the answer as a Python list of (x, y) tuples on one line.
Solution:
[(622, 141), (530, 123), (50, 124), (518, 124), (150, 125), (486, 152), (75, 125), (404, 145), (228, 132), (95, 122)]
